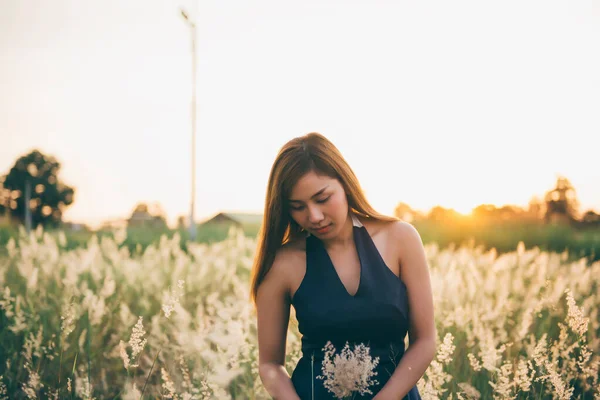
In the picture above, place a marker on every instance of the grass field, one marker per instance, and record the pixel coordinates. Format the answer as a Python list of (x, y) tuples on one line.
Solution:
[(102, 321), (502, 236)]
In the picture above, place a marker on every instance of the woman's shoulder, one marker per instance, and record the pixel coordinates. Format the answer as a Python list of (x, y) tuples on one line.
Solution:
[(291, 251), (289, 258), (378, 225), (399, 241), (398, 231)]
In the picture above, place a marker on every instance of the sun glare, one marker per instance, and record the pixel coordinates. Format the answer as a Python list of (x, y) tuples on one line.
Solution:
[(463, 209)]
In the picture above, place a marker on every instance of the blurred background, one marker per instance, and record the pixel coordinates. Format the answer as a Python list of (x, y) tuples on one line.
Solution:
[(477, 122)]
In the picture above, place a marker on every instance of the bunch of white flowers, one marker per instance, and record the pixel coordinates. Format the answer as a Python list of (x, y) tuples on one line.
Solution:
[(172, 299), (349, 372), (137, 343)]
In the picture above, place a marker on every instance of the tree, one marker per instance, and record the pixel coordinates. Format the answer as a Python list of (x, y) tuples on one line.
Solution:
[(4, 197), (441, 214), (536, 208), (148, 215), (591, 218), (37, 174), (484, 212), (561, 202), (510, 213), (181, 222), (404, 212)]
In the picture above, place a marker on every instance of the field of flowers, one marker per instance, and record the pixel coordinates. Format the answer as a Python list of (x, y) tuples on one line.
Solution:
[(103, 322)]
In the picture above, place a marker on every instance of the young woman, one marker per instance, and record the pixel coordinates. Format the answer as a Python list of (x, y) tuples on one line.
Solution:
[(352, 275)]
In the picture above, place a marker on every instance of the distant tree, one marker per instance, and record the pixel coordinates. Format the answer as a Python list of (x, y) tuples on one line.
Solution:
[(537, 208), (4, 204), (404, 212), (590, 217), (440, 214), (491, 213), (181, 222), (561, 202), (4, 197), (49, 197), (484, 212), (145, 215), (510, 212)]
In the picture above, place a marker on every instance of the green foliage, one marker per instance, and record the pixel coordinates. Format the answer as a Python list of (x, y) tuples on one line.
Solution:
[(502, 236), (562, 200), (38, 174)]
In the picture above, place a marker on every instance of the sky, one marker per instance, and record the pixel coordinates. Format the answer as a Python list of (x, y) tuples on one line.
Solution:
[(453, 103)]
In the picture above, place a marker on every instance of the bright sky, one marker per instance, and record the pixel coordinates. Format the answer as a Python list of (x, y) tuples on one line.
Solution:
[(431, 102)]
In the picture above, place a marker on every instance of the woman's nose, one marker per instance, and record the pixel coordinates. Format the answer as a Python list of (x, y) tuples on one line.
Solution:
[(314, 215)]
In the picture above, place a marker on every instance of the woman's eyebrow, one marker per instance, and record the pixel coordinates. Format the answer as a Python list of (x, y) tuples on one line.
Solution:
[(312, 197)]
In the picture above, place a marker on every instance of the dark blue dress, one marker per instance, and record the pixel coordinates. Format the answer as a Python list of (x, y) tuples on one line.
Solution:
[(377, 315)]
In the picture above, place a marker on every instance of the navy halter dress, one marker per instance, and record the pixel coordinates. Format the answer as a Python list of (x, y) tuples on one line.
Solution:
[(377, 315)]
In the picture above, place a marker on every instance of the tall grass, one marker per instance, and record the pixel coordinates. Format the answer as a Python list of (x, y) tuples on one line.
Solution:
[(504, 236), (500, 235), (103, 321)]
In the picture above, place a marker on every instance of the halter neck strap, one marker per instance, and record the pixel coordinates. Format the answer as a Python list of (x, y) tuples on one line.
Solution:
[(355, 221)]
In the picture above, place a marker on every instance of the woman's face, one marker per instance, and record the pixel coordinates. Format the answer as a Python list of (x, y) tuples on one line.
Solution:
[(318, 201)]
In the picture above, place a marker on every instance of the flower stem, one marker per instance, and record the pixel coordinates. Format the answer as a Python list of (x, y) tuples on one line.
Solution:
[(149, 373)]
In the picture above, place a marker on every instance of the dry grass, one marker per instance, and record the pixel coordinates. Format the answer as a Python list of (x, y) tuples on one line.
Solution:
[(99, 322)]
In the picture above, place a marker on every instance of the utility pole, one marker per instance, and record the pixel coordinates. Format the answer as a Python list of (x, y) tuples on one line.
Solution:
[(192, 26)]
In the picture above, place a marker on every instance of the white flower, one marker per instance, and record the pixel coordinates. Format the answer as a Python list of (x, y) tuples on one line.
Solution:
[(348, 372), (172, 299), (575, 318), (168, 385), (136, 342), (123, 354), (67, 324)]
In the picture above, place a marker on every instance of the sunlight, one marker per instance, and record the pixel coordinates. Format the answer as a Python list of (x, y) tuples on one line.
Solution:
[(463, 209)]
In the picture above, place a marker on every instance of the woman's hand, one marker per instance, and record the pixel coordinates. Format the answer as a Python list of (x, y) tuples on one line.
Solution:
[(383, 395)]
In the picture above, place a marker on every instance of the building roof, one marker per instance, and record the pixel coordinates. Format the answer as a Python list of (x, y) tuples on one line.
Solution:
[(242, 218)]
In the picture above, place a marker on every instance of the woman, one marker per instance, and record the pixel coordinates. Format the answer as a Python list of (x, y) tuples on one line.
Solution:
[(351, 274)]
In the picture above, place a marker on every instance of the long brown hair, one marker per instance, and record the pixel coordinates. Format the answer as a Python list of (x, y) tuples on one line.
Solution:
[(311, 152)]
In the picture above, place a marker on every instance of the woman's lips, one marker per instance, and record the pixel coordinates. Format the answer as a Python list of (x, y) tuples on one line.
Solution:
[(324, 229)]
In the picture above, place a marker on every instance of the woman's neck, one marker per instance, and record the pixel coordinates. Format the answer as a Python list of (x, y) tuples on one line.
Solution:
[(344, 238)]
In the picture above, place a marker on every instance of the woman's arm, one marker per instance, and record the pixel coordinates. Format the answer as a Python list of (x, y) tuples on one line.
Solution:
[(422, 333), (273, 313), (277, 381)]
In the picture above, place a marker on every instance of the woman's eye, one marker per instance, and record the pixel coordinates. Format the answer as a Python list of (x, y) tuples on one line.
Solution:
[(300, 208)]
